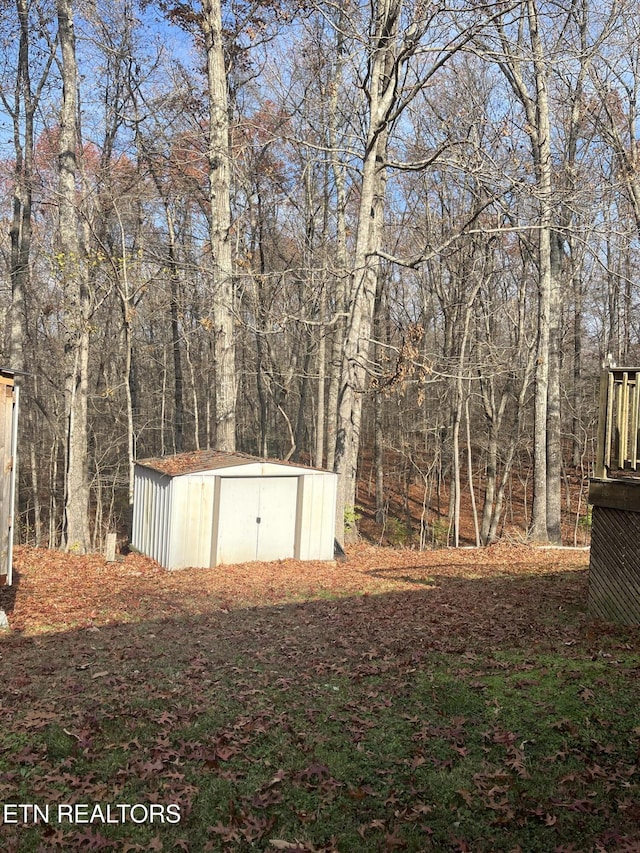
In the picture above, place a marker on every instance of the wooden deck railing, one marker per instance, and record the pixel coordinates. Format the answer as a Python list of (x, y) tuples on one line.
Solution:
[(619, 418)]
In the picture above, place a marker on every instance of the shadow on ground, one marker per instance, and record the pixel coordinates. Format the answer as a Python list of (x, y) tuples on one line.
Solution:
[(232, 673)]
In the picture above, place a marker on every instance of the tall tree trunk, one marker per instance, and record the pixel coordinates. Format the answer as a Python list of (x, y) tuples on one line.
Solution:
[(20, 231), (25, 103), (357, 341), (304, 390), (378, 454), (472, 491), (128, 311), (340, 267), (577, 427), (174, 310), (536, 107), (262, 350), (554, 436), (542, 157), (75, 285), (321, 355), (174, 291), (540, 133), (495, 416), (37, 509), (457, 407), (219, 186), (362, 285)]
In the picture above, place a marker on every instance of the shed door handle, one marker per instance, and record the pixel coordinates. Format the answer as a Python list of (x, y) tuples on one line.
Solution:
[(258, 520)]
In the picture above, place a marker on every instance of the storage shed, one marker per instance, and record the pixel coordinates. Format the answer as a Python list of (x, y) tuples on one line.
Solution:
[(210, 508)]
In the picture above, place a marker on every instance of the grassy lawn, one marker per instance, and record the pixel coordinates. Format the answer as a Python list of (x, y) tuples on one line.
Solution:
[(401, 701)]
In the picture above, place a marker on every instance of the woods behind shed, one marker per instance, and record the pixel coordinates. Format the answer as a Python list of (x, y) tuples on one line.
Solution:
[(209, 508)]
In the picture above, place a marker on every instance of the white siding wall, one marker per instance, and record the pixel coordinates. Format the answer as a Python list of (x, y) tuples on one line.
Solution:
[(318, 517), (191, 521)]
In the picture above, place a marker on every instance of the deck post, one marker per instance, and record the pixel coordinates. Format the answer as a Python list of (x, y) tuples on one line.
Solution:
[(599, 466)]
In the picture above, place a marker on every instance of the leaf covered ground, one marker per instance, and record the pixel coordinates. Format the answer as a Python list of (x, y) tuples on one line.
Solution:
[(447, 700)]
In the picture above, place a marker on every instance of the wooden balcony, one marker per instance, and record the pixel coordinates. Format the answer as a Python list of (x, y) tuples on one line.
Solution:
[(618, 422), (617, 464), (614, 492)]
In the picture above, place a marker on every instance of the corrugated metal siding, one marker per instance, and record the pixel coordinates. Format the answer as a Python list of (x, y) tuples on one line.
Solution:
[(151, 514), (162, 541), (136, 524), (614, 569)]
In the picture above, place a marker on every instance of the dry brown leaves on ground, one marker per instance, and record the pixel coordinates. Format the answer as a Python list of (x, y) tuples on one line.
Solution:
[(55, 591), (123, 679)]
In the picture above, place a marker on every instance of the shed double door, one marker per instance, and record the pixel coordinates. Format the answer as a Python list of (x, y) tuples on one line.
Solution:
[(256, 519)]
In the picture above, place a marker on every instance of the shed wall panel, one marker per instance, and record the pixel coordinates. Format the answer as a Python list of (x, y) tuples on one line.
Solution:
[(257, 519), (151, 509), (191, 521), (137, 526), (163, 497), (237, 530), (277, 512), (317, 521)]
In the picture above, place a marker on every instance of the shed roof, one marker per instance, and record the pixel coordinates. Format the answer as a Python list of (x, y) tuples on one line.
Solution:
[(206, 460)]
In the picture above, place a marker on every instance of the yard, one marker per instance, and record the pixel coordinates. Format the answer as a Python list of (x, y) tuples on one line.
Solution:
[(445, 700)]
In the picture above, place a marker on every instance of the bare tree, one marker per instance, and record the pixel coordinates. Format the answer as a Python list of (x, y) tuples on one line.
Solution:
[(73, 273), (22, 108), (390, 87), (219, 177), (522, 57)]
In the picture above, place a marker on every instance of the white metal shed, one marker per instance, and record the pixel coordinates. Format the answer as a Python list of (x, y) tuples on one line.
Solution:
[(209, 508)]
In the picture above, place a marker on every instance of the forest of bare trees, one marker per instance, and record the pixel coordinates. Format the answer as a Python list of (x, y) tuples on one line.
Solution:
[(391, 238)]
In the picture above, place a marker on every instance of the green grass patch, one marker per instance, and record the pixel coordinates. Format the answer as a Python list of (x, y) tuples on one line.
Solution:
[(524, 751), (441, 719)]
